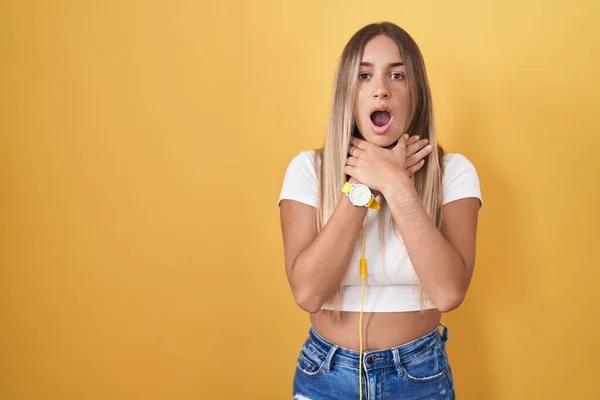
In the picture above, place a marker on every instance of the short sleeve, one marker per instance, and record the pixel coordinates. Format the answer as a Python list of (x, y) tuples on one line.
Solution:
[(300, 180), (460, 179)]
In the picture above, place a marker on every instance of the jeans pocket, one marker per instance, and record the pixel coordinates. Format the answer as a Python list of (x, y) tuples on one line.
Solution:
[(310, 360), (427, 366)]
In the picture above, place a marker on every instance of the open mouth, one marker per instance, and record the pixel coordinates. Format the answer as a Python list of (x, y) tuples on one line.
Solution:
[(381, 120)]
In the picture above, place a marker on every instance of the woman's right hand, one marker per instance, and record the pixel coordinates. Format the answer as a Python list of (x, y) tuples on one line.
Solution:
[(416, 151)]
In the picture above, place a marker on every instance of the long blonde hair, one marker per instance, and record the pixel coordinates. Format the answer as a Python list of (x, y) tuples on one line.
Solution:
[(341, 126)]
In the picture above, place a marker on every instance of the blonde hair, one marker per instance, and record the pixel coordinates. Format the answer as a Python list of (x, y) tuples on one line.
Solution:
[(341, 126)]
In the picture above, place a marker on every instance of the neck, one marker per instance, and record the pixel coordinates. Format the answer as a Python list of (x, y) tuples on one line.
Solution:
[(391, 146)]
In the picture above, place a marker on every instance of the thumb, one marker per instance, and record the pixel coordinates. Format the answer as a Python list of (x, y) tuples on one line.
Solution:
[(401, 145)]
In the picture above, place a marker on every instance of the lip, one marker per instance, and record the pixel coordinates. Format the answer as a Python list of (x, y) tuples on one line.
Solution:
[(380, 130)]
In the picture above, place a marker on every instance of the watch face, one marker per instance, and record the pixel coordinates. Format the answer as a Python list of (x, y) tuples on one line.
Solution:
[(360, 195)]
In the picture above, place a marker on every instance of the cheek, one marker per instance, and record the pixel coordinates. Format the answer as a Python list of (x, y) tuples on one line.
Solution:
[(361, 108), (402, 96)]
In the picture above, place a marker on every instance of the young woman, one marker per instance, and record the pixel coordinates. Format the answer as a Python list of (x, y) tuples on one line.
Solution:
[(379, 230)]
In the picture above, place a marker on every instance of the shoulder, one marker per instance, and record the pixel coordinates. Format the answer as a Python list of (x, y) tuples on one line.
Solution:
[(305, 158), (300, 178), (456, 162), (305, 162), (460, 178)]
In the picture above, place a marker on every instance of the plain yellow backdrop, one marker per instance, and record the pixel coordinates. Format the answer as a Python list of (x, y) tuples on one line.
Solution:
[(142, 150)]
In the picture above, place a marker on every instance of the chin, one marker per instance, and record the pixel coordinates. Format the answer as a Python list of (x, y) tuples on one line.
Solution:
[(383, 140), (389, 138)]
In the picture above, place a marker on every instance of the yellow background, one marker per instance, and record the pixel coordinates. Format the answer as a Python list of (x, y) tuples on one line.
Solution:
[(142, 150)]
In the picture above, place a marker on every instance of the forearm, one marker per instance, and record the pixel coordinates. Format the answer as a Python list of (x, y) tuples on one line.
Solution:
[(319, 270), (440, 268)]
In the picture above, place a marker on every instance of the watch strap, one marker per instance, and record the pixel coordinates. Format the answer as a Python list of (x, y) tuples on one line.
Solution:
[(347, 187), (373, 204)]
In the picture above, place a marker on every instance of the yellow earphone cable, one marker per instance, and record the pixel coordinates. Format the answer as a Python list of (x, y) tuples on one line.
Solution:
[(363, 276)]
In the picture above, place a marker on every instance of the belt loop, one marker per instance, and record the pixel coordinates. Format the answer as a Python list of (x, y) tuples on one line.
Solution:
[(444, 332), (329, 357), (397, 362)]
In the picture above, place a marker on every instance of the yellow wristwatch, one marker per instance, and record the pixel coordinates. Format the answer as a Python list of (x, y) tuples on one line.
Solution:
[(360, 195)]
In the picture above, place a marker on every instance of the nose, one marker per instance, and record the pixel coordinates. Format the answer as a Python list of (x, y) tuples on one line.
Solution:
[(382, 94), (381, 91)]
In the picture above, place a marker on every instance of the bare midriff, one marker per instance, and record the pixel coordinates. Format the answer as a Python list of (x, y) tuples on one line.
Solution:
[(380, 330)]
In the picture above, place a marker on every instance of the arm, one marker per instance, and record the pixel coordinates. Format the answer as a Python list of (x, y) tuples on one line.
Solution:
[(443, 259), (315, 264)]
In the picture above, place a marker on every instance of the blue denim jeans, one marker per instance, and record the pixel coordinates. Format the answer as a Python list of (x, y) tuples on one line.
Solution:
[(415, 370)]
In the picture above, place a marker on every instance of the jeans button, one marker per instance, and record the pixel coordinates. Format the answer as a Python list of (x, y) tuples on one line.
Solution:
[(369, 360)]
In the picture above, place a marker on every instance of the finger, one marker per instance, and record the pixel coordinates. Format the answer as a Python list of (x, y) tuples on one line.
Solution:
[(416, 146), (354, 151), (361, 144), (350, 170), (351, 161), (413, 139), (420, 155), (411, 170), (401, 146)]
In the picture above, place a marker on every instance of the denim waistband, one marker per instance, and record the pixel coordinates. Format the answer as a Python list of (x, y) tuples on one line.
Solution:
[(376, 359)]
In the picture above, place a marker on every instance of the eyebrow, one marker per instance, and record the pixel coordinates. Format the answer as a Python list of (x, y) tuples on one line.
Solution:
[(391, 65)]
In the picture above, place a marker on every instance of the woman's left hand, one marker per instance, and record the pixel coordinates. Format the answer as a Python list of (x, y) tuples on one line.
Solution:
[(376, 166)]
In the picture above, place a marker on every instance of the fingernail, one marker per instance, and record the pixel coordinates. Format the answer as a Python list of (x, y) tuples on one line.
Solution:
[(426, 140), (429, 147)]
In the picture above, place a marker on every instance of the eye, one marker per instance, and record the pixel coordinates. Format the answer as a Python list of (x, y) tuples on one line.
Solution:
[(398, 76), (363, 76)]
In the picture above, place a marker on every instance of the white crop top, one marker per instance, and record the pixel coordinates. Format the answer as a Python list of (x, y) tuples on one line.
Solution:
[(391, 284)]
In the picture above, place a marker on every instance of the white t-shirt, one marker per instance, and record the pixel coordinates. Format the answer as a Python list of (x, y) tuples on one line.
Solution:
[(391, 284)]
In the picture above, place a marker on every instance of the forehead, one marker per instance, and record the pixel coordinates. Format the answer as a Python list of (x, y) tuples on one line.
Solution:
[(381, 50)]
